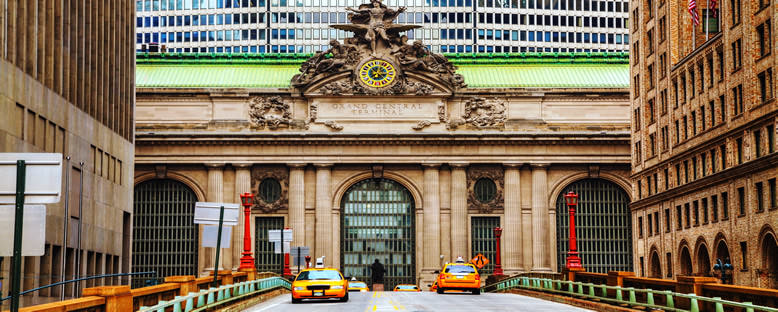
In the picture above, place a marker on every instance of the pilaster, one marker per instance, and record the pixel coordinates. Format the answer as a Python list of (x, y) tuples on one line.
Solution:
[(540, 234), (431, 216), (323, 213), (242, 185), (297, 202), (459, 210), (512, 239)]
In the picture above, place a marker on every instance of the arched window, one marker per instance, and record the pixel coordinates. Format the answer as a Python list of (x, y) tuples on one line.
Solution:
[(602, 226), (164, 236)]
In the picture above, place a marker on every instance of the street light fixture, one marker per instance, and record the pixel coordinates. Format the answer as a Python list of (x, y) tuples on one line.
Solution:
[(247, 261), (724, 269), (497, 265), (573, 260)]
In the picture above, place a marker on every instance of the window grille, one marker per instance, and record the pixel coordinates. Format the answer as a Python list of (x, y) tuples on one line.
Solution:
[(269, 190), (485, 190), (266, 260), (482, 240)]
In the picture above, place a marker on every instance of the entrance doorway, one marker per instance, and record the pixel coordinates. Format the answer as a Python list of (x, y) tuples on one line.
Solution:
[(266, 260), (378, 223)]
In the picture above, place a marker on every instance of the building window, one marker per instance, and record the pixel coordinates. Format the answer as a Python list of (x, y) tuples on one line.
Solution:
[(704, 211), (677, 174), (640, 227), (735, 7), (651, 111), (485, 190), (737, 54), (650, 225), (656, 221), (764, 3), (678, 217), (766, 85), (770, 139), (763, 35), (652, 144), (725, 206), (667, 179), (704, 164), (640, 189), (667, 220), (662, 29), (687, 215), (712, 109), (714, 201), (741, 197), (685, 171), (739, 150), (696, 205), (723, 155), (723, 107), (773, 195), (713, 160), (669, 261), (637, 118), (710, 20), (737, 97), (757, 143), (759, 197), (269, 190), (663, 101), (744, 255)]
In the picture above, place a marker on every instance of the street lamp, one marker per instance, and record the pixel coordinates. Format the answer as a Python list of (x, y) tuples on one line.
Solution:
[(724, 269), (497, 266), (247, 261), (573, 260)]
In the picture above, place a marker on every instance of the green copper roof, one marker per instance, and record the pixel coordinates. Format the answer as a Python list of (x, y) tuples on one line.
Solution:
[(494, 70)]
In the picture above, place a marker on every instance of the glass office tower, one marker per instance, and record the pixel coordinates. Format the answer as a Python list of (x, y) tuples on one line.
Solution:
[(286, 26)]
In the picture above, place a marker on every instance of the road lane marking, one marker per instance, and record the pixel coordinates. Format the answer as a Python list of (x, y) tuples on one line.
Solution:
[(374, 307)]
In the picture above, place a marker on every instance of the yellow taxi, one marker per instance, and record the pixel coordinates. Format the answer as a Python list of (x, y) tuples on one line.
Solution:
[(459, 276), (357, 286), (434, 286), (319, 283), (407, 287)]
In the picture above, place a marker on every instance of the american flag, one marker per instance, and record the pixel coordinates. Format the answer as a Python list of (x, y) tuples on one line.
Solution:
[(713, 4), (693, 12)]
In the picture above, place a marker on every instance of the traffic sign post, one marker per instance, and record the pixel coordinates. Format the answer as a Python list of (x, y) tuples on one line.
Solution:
[(218, 248), (205, 214), (48, 168), (281, 237)]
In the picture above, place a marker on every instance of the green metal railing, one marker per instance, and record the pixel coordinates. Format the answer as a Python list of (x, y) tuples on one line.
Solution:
[(624, 295), (209, 298)]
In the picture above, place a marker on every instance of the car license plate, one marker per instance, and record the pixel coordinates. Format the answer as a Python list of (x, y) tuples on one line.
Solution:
[(460, 277), (318, 293)]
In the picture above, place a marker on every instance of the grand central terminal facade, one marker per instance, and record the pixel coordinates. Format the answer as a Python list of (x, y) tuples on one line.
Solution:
[(378, 149)]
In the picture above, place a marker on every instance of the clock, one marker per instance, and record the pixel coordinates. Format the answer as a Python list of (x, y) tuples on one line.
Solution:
[(377, 73)]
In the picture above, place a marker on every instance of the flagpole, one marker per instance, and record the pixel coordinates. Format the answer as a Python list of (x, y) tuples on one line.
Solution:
[(704, 23)]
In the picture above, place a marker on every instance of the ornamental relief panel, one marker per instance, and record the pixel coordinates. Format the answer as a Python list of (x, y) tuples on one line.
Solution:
[(273, 194), (481, 113), (484, 196)]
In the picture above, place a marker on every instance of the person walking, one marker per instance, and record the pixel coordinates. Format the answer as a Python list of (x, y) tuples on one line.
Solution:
[(377, 275)]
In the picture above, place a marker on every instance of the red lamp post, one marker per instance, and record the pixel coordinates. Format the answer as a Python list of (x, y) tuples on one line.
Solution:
[(497, 265), (247, 261), (573, 260), (287, 271)]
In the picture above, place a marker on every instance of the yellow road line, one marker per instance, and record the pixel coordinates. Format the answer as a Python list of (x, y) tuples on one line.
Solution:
[(374, 307), (395, 307)]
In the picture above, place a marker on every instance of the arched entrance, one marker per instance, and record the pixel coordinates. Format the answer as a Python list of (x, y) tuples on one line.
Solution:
[(722, 254), (686, 262), (164, 234), (378, 222), (703, 261), (770, 260), (656, 266), (602, 226)]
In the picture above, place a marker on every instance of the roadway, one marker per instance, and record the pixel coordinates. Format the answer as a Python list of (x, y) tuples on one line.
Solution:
[(417, 302)]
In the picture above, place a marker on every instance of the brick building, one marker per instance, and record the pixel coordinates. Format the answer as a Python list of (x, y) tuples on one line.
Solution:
[(704, 128)]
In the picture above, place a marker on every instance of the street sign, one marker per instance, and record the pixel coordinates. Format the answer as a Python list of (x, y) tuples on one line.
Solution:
[(479, 261), (277, 247), (275, 235), (210, 233), (33, 230), (43, 183), (299, 253), (208, 213)]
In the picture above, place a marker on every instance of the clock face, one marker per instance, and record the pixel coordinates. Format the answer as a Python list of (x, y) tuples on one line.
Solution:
[(377, 73)]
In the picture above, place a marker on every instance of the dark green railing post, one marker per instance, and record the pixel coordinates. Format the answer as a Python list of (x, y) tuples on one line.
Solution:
[(17, 252)]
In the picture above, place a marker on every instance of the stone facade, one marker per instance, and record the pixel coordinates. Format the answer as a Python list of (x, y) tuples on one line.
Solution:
[(68, 87), (704, 127)]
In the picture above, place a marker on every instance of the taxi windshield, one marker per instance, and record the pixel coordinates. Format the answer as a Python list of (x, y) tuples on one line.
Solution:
[(319, 275), (357, 284), (460, 269), (406, 287)]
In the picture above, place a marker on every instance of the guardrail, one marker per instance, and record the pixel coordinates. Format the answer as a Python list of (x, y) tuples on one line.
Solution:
[(212, 297), (655, 299)]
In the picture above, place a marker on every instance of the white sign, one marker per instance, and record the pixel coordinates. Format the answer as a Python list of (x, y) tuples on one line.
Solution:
[(43, 178), (208, 213), (277, 247), (33, 230), (211, 232), (275, 235)]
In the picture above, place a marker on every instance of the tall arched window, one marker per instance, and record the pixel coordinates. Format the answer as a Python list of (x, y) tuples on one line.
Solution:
[(602, 226), (164, 236)]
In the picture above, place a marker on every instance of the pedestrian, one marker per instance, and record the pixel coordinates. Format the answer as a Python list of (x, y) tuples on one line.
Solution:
[(377, 275)]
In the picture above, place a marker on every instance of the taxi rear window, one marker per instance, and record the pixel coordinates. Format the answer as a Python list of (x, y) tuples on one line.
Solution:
[(460, 269), (319, 275), (406, 287), (357, 284)]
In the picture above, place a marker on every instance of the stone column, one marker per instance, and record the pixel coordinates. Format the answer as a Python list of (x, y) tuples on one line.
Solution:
[(297, 202), (242, 185), (431, 216), (540, 235), (459, 211), (511, 242), (323, 213), (310, 207), (216, 195), (445, 213)]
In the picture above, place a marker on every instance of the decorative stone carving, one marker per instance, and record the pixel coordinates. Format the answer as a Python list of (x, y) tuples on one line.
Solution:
[(497, 175), (280, 174), (376, 38), (422, 124), (483, 113), (333, 125), (270, 112)]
